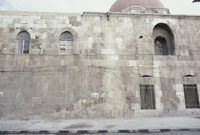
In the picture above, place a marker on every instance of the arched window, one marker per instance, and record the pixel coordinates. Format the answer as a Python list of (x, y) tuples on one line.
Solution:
[(163, 40), (23, 43), (160, 46), (66, 43)]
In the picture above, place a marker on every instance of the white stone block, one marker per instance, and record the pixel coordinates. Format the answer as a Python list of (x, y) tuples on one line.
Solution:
[(3, 25), (127, 24), (67, 21), (137, 94), (30, 25), (97, 19), (62, 62), (126, 19), (178, 87), (147, 20), (78, 18), (61, 25), (87, 23), (37, 26), (30, 21), (114, 57), (131, 63), (6, 20), (32, 17), (120, 43), (119, 40), (156, 74), (119, 29), (40, 21), (54, 21), (160, 93), (97, 29), (43, 26), (44, 35), (5, 50), (156, 70), (107, 51), (110, 94), (35, 17), (24, 21), (89, 46), (61, 17), (32, 34), (56, 26), (111, 64), (111, 40), (6, 16), (198, 88), (156, 86), (90, 39), (26, 17), (75, 28), (137, 107), (69, 25), (157, 100)]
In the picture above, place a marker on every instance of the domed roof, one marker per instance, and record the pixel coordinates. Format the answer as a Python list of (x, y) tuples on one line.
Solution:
[(123, 4)]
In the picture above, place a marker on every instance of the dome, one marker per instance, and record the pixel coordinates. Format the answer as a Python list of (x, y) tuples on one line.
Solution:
[(123, 4)]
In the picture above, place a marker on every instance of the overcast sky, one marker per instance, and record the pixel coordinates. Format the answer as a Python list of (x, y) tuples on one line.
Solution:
[(175, 6)]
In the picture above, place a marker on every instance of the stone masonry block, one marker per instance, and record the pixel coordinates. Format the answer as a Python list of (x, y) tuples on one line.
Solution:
[(107, 51), (97, 29)]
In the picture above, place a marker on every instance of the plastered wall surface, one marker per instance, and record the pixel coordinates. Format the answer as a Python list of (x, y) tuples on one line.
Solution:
[(111, 57)]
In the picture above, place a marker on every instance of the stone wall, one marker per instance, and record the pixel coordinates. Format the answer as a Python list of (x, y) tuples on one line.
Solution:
[(112, 56)]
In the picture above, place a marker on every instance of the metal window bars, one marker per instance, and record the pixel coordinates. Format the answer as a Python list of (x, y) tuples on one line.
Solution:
[(66, 43), (23, 43), (147, 97), (191, 96)]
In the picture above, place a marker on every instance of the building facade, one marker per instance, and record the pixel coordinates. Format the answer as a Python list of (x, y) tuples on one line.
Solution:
[(139, 61)]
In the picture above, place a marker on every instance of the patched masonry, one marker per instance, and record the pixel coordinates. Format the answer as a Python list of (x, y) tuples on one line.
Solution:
[(99, 65)]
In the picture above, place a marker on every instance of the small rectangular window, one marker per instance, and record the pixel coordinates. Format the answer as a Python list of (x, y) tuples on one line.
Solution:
[(147, 97), (191, 96)]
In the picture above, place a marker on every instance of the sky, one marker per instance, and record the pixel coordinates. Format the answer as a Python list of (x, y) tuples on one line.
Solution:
[(79, 6)]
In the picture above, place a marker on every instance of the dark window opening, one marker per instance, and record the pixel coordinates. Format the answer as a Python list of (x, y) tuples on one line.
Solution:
[(147, 97), (66, 43), (146, 76), (191, 96), (160, 46), (163, 40), (189, 76), (23, 43)]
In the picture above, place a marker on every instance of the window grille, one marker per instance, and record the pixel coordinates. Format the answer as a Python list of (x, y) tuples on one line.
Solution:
[(191, 96), (147, 97), (66, 43), (23, 43), (160, 44)]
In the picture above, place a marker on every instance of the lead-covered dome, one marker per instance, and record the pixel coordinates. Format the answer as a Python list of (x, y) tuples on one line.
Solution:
[(123, 4)]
